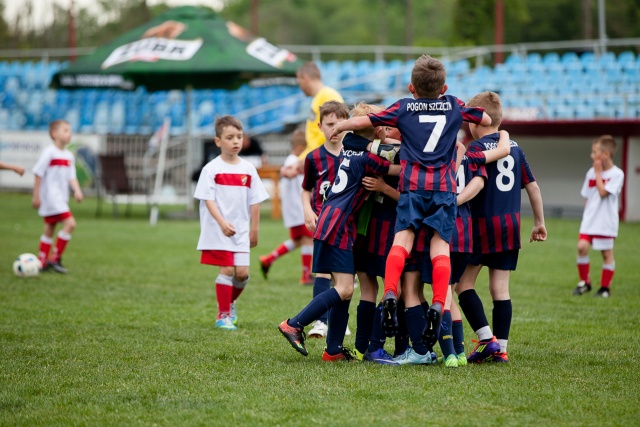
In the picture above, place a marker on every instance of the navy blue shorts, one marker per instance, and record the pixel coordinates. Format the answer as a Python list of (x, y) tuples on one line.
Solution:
[(434, 209), (372, 264), (414, 262), (459, 261), (328, 259), (506, 260)]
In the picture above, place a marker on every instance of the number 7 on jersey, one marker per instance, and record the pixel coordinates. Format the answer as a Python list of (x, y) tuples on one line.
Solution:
[(436, 133)]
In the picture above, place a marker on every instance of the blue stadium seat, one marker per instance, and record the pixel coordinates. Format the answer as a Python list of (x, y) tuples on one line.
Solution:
[(534, 58), (101, 117), (118, 115), (587, 57), (551, 58), (569, 57), (132, 119), (626, 57), (585, 112), (73, 116), (514, 59)]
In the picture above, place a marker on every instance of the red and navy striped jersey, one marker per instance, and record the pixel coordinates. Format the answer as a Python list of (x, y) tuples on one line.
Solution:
[(496, 209), (337, 223), (429, 128), (320, 171), (462, 240), (381, 229)]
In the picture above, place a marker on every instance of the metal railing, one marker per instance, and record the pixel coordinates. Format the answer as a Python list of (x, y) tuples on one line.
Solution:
[(380, 52)]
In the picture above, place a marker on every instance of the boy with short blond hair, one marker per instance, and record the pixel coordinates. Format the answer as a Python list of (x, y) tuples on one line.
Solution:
[(600, 219), (55, 172), (230, 192)]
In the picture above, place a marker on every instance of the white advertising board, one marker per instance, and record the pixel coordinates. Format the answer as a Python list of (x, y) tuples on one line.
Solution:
[(24, 148)]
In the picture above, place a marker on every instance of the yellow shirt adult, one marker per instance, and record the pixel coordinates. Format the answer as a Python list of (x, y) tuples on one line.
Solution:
[(313, 134)]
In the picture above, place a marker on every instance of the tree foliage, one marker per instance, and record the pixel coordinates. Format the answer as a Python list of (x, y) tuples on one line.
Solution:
[(340, 22)]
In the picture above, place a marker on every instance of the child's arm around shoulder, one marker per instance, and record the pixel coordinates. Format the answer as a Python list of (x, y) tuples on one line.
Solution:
[(539, 232), (502, 149), (354, 123), (471, 190)]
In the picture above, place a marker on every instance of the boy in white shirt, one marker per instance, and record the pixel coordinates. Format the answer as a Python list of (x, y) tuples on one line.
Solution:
[(55, 171), (600, 219), (230, 192), (292, 213)]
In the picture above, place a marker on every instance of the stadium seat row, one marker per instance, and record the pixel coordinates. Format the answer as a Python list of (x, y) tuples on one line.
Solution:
[(558, 86)]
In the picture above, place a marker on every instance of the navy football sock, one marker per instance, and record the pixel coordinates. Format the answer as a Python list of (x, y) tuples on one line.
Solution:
[(458, 336), (472, 308), (377, 336), (425, 307), (502, 313), (315, 308), (338, 320), (320, 285), (402, 338), (416, 324), (365, 319), (446, 337)]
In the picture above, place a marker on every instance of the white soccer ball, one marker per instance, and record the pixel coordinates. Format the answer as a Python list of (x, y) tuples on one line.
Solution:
[(27, 265)]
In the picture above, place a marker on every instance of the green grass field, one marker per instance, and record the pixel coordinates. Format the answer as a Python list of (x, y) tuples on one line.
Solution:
[(128, 338)]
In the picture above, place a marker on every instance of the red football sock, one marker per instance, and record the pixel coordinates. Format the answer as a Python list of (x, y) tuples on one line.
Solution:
[(441, 275), (43, 251), (282, 249), (607, 274), (224, 291), (583, 268), (238, 287), (393, 269), (306, 266), (61, 244)]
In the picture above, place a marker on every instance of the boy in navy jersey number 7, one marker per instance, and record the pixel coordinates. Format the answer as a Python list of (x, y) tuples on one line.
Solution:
[(428, 124), (333, 247), (496, 233)]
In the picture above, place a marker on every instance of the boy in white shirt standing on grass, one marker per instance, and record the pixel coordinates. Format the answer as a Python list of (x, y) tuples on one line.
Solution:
[(230, 192), (55, 172), (599, 228)]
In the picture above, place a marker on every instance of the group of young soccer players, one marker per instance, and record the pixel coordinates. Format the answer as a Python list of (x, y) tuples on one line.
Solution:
[(391, 194), (406, 232)]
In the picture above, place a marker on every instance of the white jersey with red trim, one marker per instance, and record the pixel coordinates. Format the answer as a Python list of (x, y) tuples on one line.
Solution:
[(234, 188), (291, 196), (57, 168), (600, 217)]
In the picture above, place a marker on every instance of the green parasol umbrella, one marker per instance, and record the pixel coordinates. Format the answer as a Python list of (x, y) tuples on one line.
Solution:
[(184, 47)]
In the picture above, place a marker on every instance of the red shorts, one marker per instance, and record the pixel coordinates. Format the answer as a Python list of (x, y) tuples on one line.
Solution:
[(224, 258), (299, 231), (598, 243), (54, 219)]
